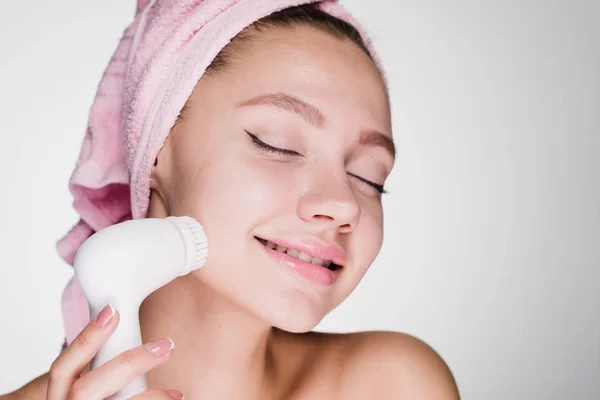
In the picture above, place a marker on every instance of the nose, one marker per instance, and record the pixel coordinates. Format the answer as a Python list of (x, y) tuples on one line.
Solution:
[(330, 201)]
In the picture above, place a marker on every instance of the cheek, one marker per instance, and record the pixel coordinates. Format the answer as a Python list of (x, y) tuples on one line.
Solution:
[(247, 192), (228, 186), (371, 233), (371, 240), (230, 196), (362, 248)]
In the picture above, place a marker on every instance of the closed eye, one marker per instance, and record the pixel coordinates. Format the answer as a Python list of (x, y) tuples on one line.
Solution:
[(276, 150), (377, 186), (271, 149)]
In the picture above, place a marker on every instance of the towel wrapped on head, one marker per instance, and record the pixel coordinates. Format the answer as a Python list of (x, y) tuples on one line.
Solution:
[(159, 60)]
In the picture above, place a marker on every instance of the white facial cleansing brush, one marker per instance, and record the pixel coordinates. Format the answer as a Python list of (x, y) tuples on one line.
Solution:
[(122, 264)]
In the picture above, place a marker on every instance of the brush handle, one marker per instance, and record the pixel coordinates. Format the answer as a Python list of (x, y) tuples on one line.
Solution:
[(126, 336)]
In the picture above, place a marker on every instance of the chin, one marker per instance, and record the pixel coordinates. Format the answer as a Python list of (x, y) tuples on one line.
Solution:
[(296, 325), (293, 316)]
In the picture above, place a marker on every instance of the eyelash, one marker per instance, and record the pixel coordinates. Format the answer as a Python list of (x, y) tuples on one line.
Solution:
[(263, 146)]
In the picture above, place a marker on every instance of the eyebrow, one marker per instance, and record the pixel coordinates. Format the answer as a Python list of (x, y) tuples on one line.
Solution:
[(308, 112), (315, 117), (378, 139)]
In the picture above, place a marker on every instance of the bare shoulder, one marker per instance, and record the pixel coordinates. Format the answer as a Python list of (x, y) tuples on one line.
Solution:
[(391, 365)]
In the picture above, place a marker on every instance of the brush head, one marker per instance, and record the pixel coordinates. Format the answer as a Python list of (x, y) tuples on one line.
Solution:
[(195, 242)]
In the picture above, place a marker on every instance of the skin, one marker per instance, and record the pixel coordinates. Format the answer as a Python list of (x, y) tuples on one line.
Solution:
[(242, 323)]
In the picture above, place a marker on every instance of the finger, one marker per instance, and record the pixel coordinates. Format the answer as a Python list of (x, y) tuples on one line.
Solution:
[(67, 367), (157, 394), (86, 369), (117, 373)]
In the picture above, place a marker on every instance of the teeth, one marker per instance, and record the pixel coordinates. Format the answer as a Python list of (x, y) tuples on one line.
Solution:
[(293, 253), (296, 253)]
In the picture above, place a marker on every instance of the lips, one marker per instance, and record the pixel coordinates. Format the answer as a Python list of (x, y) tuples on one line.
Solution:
[(313, 247), (329, 264), (307, 258)]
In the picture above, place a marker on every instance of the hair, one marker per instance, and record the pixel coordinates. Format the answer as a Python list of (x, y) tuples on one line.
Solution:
[(308, 15)]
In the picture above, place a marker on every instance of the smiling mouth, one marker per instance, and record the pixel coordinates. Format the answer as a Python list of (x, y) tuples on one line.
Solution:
[(300, 255)]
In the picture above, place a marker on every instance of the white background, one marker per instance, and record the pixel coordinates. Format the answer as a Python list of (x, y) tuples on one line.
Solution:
[(492, 246)]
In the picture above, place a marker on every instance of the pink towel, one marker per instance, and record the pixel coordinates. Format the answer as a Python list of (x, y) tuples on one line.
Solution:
[(159, 60)]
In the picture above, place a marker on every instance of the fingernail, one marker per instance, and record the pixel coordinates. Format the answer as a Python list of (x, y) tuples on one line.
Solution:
[(176, 394), (160, 347), (105, 316)]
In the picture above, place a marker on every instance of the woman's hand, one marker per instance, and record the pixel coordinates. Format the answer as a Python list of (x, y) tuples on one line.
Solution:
[(69, 376)]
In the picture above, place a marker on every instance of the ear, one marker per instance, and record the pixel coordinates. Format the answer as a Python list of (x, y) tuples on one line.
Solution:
[(141, 5), (158, 206), (160, 172)]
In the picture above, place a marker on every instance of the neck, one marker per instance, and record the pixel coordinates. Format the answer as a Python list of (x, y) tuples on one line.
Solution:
[(221, 350)]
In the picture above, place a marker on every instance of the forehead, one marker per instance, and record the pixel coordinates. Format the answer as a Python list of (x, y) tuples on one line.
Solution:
[(332, 72)]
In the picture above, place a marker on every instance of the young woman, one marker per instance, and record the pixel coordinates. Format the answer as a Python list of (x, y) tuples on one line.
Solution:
[(284, 146)]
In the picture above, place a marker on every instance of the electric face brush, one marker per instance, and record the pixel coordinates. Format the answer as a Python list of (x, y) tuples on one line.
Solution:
[(122, 264)]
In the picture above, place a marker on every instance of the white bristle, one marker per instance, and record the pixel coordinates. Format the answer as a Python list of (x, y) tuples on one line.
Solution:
[(198, 237)]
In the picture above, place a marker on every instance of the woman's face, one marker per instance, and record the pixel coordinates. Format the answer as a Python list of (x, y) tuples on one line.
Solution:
[(323, 101)]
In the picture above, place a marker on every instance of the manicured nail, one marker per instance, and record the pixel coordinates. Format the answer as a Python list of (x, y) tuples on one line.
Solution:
[(160, 347), (176, 394), (105, 316)]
